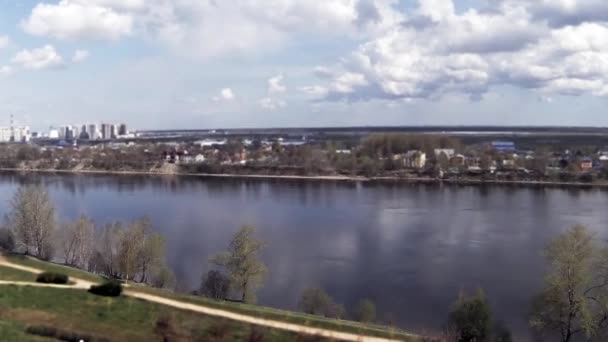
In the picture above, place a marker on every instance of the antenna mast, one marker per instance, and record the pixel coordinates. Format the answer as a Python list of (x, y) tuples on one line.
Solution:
[(12, 128)]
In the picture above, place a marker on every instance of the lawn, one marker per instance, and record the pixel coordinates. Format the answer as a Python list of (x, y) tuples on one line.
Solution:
[(51, 267), (14, 331), (285, 316), (11, 274), (252, 310), (115, 319)]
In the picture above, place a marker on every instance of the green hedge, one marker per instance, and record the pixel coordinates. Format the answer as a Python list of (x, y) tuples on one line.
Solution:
[(111, 288), (52, 278)]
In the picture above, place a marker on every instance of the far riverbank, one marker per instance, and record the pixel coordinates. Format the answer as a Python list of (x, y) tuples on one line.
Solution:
[(335, 178)]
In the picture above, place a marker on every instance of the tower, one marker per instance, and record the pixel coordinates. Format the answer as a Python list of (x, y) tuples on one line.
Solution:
[(12, 128)]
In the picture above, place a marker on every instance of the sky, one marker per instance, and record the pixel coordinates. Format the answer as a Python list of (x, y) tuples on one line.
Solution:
[(167, 64)]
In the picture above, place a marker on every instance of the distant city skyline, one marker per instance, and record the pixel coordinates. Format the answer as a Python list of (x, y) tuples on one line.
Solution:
[(299, 63)]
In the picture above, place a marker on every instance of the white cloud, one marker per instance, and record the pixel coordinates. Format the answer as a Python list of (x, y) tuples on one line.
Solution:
[(80, 56), (5, 70), (275, 85), (45, 57), (315, 90), (4, 41), (207, 28), (438, 51), (272, 104), (75, 19), (226, 94)]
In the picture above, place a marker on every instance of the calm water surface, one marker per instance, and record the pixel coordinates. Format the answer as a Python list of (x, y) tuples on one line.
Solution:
[(409, 248)]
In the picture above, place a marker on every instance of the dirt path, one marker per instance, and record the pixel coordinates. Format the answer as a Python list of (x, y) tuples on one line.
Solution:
[(300, 329)]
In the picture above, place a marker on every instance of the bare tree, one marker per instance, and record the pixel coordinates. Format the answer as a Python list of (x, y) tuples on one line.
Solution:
[(32, 219), (151, 248), (78, 242), (241, 261)]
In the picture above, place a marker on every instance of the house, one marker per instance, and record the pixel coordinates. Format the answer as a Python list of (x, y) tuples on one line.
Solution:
[(585, 164), (448, 152), (457, 160), (507, 163), (414, 159), (200, 158)]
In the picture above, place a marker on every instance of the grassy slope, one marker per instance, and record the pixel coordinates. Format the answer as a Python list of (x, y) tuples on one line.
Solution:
[(15, 331), (285, 316), (7, 273), (118, 319), (256, 311)]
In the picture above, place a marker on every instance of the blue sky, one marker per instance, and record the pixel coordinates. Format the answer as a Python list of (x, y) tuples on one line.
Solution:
[(206, 64)]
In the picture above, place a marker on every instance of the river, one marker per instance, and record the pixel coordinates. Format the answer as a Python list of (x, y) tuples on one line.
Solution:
[(410, 248)]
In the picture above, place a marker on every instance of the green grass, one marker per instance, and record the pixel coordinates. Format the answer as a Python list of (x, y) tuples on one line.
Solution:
[(117, 319), (285, 316), (15, 331), (252, 310), (11, 274), (51, 267)]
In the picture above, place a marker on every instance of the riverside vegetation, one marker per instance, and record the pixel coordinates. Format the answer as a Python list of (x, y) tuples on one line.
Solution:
[(572, 305)]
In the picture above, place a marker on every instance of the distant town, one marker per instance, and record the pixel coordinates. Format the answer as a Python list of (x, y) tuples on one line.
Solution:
[(551, 155)]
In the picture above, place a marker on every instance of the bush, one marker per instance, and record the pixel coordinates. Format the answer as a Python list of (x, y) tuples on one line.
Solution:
[(471, 318), (52, 278), (215, 285), (110, 288), (62, 335), (315, 301), (366, 311)]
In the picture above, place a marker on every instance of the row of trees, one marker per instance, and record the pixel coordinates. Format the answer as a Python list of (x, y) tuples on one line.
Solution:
[(130, 251)]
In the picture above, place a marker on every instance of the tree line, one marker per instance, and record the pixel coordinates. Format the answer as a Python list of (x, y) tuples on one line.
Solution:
[(121, 250)]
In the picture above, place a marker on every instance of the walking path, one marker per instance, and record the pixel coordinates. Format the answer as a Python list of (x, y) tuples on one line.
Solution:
[(296, 328)]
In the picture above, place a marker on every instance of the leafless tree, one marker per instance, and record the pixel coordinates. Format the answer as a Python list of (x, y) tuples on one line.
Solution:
[(32, 219), (78, 242)]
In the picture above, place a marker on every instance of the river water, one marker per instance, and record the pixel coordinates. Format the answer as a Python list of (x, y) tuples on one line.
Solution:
[(409, 248)]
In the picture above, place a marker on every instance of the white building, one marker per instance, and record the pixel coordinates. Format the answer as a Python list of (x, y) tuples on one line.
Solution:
[(21, 134)]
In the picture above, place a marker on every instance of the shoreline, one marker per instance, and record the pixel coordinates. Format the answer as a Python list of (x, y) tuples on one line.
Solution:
[(355, 179)]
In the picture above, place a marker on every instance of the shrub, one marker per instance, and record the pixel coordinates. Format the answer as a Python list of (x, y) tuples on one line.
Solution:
[(366, 311), (62, 335), (52, 278), (314, 301), (215, 285), (471, 318), (110, 288)]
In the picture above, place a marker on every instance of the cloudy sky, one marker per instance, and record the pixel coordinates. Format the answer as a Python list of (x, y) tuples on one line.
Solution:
[(256, 63)]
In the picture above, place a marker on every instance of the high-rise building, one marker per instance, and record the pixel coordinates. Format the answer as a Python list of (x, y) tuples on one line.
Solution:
[(76, 132), (93, 132), (106, 131), (114, 131), (20, 134), (122, 129), (84, 132)]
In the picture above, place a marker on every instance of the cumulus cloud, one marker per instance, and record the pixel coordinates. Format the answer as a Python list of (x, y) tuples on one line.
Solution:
[(226, 94), (275, 85), (4, 41), (560, 13), (45, 57), (437, 50), (75, 19), (80, 56), (206, 28), (272, 104), (5, 70)]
